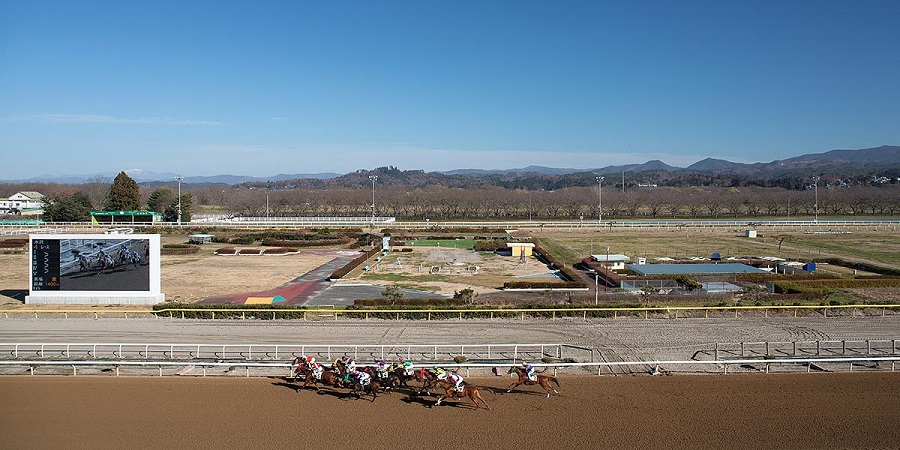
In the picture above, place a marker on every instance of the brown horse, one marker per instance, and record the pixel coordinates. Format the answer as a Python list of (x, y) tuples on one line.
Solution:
[(372, 388), (467, 391), (328, 378), (542, 380), (398, 378)]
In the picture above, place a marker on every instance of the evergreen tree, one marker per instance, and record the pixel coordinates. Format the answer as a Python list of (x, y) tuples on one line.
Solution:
[(124, 194), (171, 212), (68, 208), (161, 199)]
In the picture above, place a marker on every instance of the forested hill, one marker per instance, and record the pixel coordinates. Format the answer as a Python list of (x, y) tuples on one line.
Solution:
[(866, 166)]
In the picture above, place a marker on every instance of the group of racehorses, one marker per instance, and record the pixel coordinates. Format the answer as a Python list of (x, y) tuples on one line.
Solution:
[(104, 260), (395, 377)]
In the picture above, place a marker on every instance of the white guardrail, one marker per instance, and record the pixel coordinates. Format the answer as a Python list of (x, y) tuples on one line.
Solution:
[(430, 352), (658, 366)]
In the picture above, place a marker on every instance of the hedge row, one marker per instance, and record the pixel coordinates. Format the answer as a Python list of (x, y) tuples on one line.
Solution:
[(178, 245), (567, 271), (278, 251), (409, 303), (356, 262), (490, 245), (543, 285), (189, 250), (13, 243), (862, 266), (790, 287), (307, 243), (226, 251), (605, 272)]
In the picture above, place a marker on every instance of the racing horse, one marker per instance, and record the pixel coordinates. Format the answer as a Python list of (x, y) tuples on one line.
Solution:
[(327, 378), (542, 380), (372, 388), (398, 378), (467, 391)]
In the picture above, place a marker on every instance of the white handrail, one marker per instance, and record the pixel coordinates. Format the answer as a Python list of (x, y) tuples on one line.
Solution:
[(408, 350), (555, 366)]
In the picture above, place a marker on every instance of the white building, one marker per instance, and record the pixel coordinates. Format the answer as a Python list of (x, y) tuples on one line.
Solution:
[(614, 261), (21, 201)]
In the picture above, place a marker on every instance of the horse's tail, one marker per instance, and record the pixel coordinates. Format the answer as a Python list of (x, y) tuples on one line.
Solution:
[(483, 388), (555, 380)]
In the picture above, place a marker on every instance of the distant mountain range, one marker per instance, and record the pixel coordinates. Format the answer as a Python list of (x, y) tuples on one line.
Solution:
[(837, 162)]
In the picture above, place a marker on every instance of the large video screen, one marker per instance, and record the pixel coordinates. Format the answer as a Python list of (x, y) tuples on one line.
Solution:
[(104, 263)]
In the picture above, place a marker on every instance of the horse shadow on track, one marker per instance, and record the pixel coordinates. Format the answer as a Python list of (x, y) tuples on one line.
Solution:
[(297, 386), (288, 383)]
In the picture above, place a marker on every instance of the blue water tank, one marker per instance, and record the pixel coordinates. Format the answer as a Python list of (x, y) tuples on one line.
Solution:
[(716, 256), (809, 267)]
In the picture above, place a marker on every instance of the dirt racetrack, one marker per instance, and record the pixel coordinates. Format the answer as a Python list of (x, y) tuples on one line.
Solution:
[(832, 410)]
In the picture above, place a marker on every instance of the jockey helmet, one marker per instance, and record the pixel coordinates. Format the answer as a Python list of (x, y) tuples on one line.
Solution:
[(402, 359), (310, 359), (524, 363), (380, 363)]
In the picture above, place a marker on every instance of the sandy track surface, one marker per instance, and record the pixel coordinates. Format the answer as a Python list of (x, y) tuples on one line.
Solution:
[(738, 411)]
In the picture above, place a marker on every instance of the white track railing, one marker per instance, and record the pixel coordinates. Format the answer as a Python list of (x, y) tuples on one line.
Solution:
[(658, 365), (430, 352)]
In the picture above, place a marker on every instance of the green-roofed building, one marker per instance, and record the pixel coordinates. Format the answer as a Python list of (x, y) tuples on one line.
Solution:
[(125, 217)]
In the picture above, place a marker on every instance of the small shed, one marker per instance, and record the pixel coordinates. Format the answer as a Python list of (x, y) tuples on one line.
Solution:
[(520, 249), (613, 261), (201, 238)]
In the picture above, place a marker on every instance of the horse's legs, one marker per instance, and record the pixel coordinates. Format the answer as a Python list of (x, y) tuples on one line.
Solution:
[(477, 395), (514, 385)]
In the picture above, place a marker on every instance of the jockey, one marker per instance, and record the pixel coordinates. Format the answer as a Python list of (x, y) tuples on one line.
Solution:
[(314, 367), (382, 369), (349, 366), (362, 378), (458, 379), (407, 367), (529, 371), (439, 373)]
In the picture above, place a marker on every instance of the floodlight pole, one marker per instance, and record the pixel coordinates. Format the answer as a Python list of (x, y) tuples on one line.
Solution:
[(816, 188), (599, 200), (374, 178), (179, 179), (606, 277)]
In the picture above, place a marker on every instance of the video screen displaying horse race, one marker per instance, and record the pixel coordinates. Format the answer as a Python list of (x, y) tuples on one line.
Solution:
[(93, 264)]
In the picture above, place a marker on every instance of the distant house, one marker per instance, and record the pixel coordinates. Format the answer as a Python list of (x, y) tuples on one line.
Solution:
[(520, 249), (23, 202), (614, 261)]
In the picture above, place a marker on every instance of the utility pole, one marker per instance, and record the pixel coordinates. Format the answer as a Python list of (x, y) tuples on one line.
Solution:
[(179, 179), (374, 178), (816, 187), (606, 278), (599, 200)]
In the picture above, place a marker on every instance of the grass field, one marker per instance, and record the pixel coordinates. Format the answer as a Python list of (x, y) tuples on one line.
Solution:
[(445, 243), (879, 248)]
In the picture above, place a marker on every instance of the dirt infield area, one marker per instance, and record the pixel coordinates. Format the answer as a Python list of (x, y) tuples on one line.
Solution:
[(736, 411)]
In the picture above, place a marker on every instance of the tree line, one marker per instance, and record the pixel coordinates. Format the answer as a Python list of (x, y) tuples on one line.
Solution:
[(572, 203), (74, 202)]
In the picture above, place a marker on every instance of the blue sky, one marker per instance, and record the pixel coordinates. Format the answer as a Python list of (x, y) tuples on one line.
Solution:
[(266, 87)]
